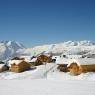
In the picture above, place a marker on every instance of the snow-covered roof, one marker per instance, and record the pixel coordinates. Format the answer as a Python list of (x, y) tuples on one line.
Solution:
[(26, 58), (14, 61), (45, 54), (1, 65)]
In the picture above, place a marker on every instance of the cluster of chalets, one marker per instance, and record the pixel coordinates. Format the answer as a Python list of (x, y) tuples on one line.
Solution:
[(18, 64), (74, 66), (78, 66)]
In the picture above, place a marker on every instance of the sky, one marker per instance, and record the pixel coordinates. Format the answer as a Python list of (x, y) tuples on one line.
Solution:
[(37, 22)]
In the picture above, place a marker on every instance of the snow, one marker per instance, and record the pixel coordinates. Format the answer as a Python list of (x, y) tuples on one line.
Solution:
[(83, 61), (55, 57), (60, 76), (8, 49), (48, 71), (46, 87), (39, 72), (69, 47), (27, 58), (34, 59), (46, 80), (63, 60), (71, 56), (79, 61)]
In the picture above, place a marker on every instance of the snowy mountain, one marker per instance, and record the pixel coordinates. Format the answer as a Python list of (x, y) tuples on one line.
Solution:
[(9, 49), (69, 47), (79, 43)]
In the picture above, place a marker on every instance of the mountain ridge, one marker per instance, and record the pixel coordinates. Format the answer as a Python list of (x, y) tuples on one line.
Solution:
[(69, 46), (9, 49)]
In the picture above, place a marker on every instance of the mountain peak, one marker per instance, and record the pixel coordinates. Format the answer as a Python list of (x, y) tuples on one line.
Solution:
[(9, 49), (13, 44)]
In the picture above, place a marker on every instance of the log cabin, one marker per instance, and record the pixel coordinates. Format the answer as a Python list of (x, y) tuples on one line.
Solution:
[(81, 66), (18, 66), (42, 59), (62, 67)]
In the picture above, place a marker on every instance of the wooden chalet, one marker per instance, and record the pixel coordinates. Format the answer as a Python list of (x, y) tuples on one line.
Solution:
[(19, 66), (82, 66)]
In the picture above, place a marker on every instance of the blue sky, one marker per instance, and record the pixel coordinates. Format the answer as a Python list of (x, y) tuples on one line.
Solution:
[(35, 22)]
